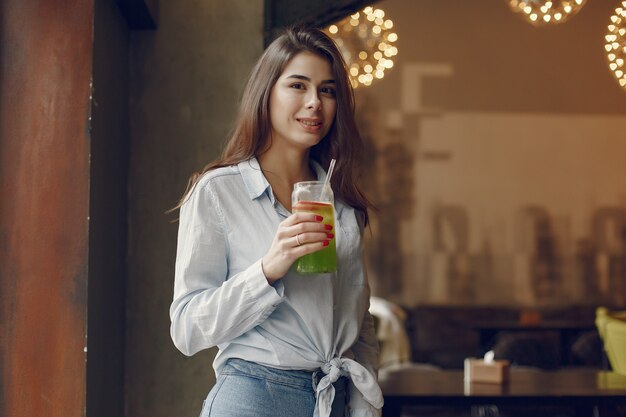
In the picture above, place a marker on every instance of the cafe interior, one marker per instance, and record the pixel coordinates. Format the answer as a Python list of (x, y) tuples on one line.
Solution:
[(495, 157), (502, 214)]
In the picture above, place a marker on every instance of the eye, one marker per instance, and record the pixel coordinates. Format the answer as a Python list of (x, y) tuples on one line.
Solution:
[(297, 86), (329, 91)]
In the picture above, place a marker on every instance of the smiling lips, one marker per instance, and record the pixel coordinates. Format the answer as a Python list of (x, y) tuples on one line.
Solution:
[(310, 125)]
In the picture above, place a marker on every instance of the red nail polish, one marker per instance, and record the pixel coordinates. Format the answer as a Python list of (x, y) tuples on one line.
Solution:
[(319, 218), (330, 235), (325, 243), (328, 227)]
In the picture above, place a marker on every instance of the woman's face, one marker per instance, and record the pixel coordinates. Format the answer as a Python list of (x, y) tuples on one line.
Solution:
[(302, 103)]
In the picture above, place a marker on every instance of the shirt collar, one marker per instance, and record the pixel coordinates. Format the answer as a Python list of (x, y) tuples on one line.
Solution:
[(253, 177), (256, 183)]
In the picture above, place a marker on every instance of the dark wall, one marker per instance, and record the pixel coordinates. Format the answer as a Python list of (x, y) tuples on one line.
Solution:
[(107, 211), (45, 72), (320, 13), (186, 80)]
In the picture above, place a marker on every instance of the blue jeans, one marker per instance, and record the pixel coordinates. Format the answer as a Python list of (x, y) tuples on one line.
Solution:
[(247, 389)]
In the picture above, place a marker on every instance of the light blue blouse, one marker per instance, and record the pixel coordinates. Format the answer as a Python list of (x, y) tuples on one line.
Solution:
[(305, 322)]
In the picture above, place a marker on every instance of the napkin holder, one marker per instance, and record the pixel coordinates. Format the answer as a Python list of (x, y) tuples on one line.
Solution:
[(492, 371)]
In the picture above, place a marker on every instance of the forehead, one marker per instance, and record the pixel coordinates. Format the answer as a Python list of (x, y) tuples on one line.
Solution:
[(309, 65)]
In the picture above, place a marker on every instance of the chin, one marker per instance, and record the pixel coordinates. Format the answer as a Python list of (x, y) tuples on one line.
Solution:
[(309, 142)]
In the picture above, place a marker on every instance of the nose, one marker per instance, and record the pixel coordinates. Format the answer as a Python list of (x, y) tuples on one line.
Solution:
[(313, 101)]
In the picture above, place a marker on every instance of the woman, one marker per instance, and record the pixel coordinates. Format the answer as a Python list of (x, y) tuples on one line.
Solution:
[(289, 345)]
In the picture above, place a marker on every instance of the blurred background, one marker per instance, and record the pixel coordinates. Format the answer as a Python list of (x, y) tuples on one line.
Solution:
[(494, 155)]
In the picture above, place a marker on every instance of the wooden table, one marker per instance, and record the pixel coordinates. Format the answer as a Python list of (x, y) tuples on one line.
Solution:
[(585, 389)]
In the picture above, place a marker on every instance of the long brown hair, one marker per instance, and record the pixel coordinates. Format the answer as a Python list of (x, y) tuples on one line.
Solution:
[(253, 128)]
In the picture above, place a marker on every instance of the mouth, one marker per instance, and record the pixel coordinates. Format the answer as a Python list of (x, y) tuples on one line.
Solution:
[(311, 125), (310, 122)]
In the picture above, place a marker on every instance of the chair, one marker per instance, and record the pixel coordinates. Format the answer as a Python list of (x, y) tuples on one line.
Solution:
[(528, 348), (389, 320), (612, 329)]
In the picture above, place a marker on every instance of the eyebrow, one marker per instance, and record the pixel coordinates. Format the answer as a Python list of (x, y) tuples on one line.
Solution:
[(305, 78)]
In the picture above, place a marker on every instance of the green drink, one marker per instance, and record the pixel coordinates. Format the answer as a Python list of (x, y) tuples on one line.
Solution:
[(310, 197)]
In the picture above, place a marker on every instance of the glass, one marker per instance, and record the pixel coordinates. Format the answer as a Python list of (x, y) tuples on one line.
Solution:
[(314, 197)]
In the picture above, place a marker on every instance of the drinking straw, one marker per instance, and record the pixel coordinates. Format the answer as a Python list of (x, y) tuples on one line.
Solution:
[(330, 172), (326, 185)]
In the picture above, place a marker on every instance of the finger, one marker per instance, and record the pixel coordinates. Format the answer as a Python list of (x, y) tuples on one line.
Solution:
[(308, 248), (288, 229), (302, 217), (308, 227), (303, 238)]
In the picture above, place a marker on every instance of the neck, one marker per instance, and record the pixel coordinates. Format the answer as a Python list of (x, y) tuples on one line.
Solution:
[(283, 169), (286, 168)]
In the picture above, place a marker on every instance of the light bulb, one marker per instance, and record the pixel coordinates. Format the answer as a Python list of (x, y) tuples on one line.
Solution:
[(543, 13), (366, 42), (616, 46)]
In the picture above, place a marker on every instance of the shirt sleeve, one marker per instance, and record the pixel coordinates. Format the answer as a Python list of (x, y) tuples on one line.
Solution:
[(366, 351), (210, 308)]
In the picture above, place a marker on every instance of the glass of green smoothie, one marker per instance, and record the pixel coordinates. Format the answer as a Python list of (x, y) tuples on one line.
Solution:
[(316, 197)]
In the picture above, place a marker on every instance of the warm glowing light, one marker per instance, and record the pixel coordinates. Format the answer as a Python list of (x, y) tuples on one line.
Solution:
[(366, 43), (616, 44), (542, 12)]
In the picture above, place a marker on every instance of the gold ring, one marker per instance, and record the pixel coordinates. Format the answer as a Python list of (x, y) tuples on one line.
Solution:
[(298, 240)]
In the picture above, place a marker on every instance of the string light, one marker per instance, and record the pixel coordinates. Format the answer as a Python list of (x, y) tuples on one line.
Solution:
[(546, 12), (366, 41), (616, 44)]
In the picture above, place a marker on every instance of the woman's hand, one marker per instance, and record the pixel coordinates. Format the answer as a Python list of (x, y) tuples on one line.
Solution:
[(297, 235)]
